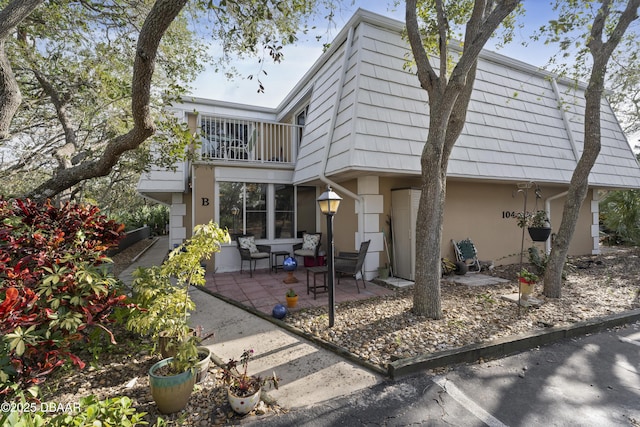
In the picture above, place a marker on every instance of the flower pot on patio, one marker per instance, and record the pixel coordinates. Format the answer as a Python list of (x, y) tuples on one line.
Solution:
[(292, 301), (526, 288), (202, 368), (243, 404)]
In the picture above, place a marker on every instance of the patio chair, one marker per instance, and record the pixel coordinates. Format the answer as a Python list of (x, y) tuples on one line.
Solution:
[(310, 246), (251, 252), (243, 150), (466, 252), (351, 263)]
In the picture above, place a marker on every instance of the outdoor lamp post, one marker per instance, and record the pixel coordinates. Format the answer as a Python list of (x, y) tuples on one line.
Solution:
[(329, 203)]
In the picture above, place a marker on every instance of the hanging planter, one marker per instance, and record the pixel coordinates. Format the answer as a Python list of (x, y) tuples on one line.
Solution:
[(537, 223), (539, 234)]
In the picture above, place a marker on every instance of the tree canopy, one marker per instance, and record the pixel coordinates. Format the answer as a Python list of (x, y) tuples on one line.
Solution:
[(84, 85)]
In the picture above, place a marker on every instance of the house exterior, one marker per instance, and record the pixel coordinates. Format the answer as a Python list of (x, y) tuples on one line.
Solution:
[(358, 122)]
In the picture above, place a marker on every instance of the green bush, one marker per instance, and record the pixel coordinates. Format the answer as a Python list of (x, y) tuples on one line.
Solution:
[(155, 216), (90, 411), (620, 217), (54, 286)]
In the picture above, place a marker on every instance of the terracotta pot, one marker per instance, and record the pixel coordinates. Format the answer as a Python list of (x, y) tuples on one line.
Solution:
[(171, 393), (292, 301), (243, 405)]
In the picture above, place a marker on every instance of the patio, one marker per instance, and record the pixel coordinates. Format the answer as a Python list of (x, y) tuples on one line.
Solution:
[(266, 289)]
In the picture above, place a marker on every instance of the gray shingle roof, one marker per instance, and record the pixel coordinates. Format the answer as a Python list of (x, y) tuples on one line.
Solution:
[(518, 125)]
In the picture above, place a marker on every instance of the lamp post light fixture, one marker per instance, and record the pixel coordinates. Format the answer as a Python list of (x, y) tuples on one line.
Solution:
[(329, 203)]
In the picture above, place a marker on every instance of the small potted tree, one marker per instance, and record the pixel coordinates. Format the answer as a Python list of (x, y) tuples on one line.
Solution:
[(161, 306), (243, 390)]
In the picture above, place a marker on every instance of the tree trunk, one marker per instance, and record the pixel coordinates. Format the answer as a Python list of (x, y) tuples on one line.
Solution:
[(578, 188), (449, 96), (10, 96), (426, 296)]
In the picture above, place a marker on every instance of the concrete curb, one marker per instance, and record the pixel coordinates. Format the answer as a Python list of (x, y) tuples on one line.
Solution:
[(143, 251), (467, 354), (508, 345)]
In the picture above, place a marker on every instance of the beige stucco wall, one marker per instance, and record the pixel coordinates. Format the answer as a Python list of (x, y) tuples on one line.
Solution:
[(480, 211), (483, 212), (345, 222), (202, 184)]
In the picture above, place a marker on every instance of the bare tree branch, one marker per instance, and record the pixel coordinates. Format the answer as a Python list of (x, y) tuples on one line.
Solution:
[(426, 74), (156, 24)]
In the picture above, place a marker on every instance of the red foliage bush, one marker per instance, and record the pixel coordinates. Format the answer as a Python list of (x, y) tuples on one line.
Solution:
[(53, 285)]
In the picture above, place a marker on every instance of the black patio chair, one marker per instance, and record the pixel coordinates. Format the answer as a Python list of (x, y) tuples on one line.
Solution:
[(251, 252), (351, 263)]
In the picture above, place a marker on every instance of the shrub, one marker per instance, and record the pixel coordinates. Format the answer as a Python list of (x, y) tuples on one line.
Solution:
[(155, 216), (54, 286), (89, 411)]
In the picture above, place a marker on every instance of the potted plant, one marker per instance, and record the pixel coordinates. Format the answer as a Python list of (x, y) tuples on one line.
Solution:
[(243, 390), (537, 223), (527, 282), (161, 306), (292, 298)]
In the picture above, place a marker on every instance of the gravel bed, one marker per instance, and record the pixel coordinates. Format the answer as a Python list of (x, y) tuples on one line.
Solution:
[(378, 330), (117, 373), (383, 329)]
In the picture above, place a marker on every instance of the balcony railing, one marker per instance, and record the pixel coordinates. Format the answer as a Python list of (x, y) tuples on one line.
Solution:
[(248, 141)]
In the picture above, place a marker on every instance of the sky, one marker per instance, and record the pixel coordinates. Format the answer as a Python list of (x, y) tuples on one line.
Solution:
[(281, 78)]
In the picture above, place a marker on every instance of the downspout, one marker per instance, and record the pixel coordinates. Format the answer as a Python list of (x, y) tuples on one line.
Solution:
[(547, 207), (334, 116)]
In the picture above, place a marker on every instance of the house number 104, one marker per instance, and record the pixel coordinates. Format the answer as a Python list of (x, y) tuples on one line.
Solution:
[(508, 214)]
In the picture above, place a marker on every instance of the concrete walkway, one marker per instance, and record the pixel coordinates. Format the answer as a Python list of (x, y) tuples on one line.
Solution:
[(308, 373)]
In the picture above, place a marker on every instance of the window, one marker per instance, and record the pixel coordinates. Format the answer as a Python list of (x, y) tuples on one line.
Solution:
[(224, 138), (284, 213), (301, 120), (268, 211), (243, 208), (231, 204), (256, 210), (306, 208), (217, 127)]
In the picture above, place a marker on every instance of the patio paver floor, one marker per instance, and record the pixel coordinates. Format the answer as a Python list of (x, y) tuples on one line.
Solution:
[(266, 289)]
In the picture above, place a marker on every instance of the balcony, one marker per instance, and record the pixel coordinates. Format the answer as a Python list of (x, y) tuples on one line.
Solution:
[(238, 140)]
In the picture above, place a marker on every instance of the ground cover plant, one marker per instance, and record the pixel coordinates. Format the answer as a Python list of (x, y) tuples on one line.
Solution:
[(56, 289)]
